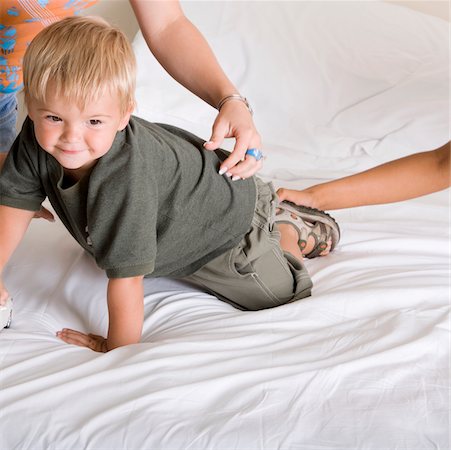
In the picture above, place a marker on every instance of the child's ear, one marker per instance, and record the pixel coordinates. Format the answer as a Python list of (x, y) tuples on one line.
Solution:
[(30, 111), (125, 119)]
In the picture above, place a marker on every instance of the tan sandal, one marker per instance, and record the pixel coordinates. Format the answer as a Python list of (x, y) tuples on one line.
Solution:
[(310, 222)]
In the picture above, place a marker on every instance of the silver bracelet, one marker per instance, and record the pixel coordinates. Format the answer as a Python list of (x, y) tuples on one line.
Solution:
[(235, 97)]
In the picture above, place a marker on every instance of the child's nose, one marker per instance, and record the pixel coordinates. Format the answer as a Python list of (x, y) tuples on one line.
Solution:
[(71, 134)]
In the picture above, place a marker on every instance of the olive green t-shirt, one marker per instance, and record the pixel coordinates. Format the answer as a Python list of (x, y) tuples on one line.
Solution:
[(153, 205)]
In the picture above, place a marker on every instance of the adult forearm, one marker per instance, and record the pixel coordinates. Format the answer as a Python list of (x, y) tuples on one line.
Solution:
[(398, 180), (126, 311), (185, 54)]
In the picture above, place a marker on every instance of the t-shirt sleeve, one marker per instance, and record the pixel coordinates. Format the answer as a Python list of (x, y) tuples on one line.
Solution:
[(20, 181)]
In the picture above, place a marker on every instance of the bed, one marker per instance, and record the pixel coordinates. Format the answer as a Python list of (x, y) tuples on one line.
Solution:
[(337, 87)]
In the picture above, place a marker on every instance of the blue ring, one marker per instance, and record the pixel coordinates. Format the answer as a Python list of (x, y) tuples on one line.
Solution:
[(255, 152)]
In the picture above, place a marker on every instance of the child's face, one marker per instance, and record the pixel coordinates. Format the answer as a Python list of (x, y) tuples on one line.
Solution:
[(75, 138)]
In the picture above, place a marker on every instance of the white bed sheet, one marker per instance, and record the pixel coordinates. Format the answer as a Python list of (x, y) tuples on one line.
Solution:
[(362, 364)]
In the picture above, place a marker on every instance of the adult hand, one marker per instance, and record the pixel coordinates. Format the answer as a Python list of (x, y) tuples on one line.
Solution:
[(304, 198), (235, 121), (92, 341)]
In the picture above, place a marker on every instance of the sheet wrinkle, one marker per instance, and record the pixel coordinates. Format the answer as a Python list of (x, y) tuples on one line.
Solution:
[(365, 100)]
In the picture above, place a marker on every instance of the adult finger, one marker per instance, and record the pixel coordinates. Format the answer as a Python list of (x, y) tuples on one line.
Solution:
[(283, 194), (246, 168), (219, 132), (238, 154), (298, 197)]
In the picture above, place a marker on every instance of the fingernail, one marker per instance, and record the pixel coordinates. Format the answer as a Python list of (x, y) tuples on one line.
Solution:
[(207, 143), (235, 178), (228, 174), (223, 171)]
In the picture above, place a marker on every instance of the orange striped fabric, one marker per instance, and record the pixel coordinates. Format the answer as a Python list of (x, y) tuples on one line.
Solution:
[(20, 21)]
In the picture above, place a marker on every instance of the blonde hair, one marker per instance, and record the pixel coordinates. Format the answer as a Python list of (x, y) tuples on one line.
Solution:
[(84, 58)]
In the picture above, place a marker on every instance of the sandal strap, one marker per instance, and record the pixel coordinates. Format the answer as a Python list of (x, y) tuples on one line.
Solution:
[(321, 238), (310, 222)]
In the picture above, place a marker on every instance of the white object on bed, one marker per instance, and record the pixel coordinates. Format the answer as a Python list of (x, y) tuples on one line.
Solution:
[(363, 363), (6, 314)]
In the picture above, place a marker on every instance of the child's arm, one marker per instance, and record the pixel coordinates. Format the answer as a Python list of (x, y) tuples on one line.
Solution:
[(125, 310), (126, 315), (413, 176), (13, 224)]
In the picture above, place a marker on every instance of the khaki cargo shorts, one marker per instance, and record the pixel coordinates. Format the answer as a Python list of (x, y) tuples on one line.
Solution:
[(257, 274)]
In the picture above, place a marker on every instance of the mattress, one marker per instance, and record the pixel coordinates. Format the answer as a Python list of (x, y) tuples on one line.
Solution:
[(361, 364)]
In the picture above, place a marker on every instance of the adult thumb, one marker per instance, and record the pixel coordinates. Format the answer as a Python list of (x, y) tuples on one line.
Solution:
[(219, 133)]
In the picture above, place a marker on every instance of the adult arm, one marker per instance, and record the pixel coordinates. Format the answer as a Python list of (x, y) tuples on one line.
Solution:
[(186, 56), (13, 225), (126, 315), (402, 179)]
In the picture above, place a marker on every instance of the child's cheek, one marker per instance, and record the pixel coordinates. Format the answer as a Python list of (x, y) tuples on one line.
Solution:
[(101, 143)]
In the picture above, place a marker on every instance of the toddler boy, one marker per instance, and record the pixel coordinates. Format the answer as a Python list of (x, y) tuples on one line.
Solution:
[(143, 199)]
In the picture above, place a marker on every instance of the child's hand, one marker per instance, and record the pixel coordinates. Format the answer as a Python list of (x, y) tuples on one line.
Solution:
[(44, 213), (92, 341), (3, 294)]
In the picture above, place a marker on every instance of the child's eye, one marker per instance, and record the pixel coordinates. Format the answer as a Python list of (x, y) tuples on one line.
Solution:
[(94, 122), (53, 118)]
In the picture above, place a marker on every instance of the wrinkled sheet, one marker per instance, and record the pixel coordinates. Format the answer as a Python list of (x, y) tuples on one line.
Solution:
[(362, 364)]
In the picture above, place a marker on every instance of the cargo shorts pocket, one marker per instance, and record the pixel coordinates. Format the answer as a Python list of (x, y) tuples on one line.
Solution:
[(265, 282)]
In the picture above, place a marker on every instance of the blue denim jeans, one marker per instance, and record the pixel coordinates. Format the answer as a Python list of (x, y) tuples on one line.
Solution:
[(8, 117)]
